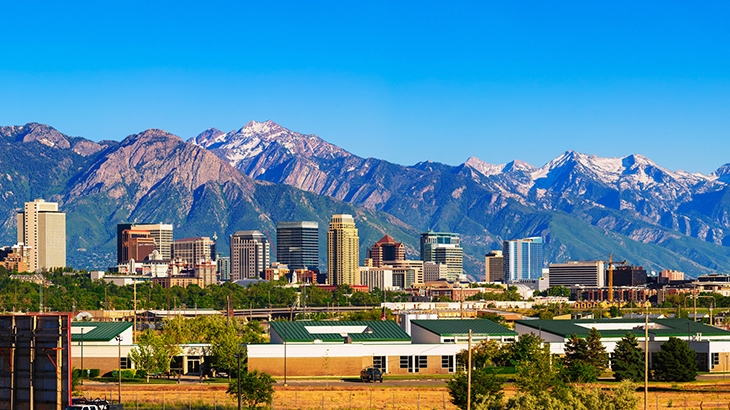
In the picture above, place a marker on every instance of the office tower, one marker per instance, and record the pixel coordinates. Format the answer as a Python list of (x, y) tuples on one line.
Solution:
[(194, 250), (433, 271), (162, 234), (136, 244), (224, 267), (386, 252), (249, 255), (523, 259), (43, 227), (343, 245), (582, 273), (297, 244), (120, 242), (629, 276), (443, 247), (494, 267)]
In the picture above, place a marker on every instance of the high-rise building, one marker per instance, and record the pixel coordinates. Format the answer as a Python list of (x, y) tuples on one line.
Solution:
[(43, 227), (249, 255), (224, 267), (386, 252), (433, 271), (194, 250), (523, 259), (445, 248), (343, 244), (572, 273), (494, 267), (297, 244), (160, 233), (136, 244)]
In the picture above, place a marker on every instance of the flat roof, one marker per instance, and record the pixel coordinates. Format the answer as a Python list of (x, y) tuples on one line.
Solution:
[(460, 327), (619, 327), (335, 332), (97, 331)]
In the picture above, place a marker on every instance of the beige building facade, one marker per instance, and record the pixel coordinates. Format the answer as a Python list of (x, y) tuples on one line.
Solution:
[(343, 251), (42, 227)]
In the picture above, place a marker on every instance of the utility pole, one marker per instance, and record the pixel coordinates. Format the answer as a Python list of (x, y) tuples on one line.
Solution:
[(468, 376), (646, 357)]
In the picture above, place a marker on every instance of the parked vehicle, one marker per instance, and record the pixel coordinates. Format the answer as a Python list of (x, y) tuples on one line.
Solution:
[(371, 374), (82, 407)]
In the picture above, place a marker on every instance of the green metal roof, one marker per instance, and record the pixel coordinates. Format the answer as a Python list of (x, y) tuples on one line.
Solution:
[(375, 331), (101, 332), (460, 327), (580, 328)]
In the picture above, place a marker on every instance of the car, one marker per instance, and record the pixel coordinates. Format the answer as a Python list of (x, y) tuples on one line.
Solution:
[(371, 374), (82, 407)]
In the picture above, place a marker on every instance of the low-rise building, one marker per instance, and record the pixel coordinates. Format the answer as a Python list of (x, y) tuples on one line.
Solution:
[(345, 348), (711, 344)]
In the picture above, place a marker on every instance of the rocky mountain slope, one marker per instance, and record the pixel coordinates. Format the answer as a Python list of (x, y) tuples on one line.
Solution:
[(155, 176), (585, 206)]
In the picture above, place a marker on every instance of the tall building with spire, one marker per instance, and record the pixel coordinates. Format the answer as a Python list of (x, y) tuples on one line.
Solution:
[(343, 244), (42, 227)]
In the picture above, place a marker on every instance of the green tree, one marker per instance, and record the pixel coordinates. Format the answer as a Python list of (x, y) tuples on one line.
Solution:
[(560, 291), (485, 386), (627, 361), (153, 353), (675, 362), (585, 359), (540, 372), (525, 348), (256, 388), (485, 353), (622, 396)]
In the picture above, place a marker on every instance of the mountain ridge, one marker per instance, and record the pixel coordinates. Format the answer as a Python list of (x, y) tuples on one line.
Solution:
[(585, 206)]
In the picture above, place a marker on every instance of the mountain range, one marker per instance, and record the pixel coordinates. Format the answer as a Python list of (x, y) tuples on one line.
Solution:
[(584, 206)]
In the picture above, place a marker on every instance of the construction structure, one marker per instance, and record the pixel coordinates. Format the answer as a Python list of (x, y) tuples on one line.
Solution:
[(35, 362)]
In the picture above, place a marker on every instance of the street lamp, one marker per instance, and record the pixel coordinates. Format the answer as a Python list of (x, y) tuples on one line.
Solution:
[(119, 339), (284, 328)]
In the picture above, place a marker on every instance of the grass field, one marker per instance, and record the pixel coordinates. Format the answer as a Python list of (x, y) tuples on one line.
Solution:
[(705, 395)]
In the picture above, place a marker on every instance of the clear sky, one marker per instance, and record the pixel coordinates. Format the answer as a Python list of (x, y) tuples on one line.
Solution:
[(402, 81)]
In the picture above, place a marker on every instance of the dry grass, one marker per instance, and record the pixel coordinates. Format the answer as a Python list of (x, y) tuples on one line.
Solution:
[(379, 397)]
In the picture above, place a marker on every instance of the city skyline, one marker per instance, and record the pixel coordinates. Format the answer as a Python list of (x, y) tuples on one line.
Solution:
[(604, 79)]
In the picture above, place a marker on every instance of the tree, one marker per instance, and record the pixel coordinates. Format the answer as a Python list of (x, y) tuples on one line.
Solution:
[(560, 291), (486, 353), (485, 386), (256, 388), (539, 373), (628, 359), (525, 348), (585, 359), (675, 362), (621, 397), (153, 353)]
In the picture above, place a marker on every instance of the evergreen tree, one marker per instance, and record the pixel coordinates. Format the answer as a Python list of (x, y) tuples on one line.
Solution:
[(628, 359), (675, 362), (585, 359)]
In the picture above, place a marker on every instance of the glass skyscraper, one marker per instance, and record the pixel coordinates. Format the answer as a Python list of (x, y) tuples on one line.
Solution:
[(297, 244), (523, 259)]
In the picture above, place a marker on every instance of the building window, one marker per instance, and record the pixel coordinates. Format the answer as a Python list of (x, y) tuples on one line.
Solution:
[(422, 362), (405, 362), (447, 362), (125, 363), (379, 362), (702, 364), (715, 359)]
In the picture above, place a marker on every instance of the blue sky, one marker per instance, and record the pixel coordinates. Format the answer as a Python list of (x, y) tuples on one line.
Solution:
[(400, 81)]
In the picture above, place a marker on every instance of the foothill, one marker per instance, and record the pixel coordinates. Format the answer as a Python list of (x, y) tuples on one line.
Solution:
[(269, 313)]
